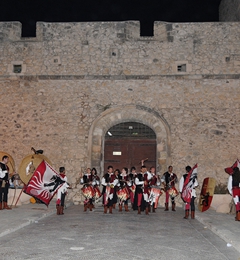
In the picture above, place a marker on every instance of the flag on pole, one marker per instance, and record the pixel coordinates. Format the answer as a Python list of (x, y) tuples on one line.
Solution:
[(44, 183), (188, 184), (229, 170)]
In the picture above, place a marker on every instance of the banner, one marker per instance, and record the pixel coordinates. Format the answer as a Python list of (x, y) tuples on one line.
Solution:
[(44, 183), (229, 170)]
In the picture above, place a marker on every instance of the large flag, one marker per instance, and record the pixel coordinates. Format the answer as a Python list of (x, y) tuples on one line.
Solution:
[(188, 185), (44, 183), (229, 170)]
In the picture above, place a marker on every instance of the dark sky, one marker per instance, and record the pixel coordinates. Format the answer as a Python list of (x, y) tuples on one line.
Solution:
[(28, 12)]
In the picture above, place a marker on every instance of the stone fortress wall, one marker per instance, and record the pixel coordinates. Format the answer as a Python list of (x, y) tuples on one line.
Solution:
[(63, 89)]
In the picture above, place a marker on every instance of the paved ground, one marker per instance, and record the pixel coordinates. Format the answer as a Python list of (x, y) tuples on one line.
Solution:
[(32, 232)]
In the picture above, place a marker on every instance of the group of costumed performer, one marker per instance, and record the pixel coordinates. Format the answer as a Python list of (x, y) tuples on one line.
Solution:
[(90, 190), (138, 188)]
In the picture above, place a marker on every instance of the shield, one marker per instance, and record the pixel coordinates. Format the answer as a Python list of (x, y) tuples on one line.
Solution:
[(206, 195), (10, 164), (29, 164)]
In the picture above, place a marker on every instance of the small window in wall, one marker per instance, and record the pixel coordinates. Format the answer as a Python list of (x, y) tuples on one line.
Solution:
[(17, 68), (182, 68)]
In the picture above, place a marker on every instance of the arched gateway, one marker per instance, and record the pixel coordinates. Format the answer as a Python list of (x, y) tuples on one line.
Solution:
[(134, 113)]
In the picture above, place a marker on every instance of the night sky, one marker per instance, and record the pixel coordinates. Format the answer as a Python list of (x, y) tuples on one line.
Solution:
[(28, 12)]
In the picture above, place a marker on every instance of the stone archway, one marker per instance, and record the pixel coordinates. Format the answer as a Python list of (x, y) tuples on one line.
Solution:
[(134, 113)]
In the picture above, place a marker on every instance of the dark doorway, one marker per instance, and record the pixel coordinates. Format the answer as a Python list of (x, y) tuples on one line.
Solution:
[(128, 143)]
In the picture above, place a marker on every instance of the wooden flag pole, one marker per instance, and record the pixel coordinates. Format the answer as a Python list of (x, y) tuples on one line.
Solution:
[(19, 197)]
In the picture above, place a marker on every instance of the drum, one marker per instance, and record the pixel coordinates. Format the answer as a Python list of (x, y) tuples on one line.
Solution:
[(173, 192), (132, 188), (155, 195), (98, 193), (123, 194), (88, 192)]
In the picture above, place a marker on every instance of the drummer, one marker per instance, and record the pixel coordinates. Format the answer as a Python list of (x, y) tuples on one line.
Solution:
[(95, 184), (155, 181), (86, 180), (131, 184), (169, 179), (109, 181), (115, 197), (123, 184)]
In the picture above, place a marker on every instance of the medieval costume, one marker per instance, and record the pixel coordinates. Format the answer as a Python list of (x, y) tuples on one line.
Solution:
[(169, 179), (87, 189), (61, 193), (4, 183), (123, 191), (131, 184), (138, 197), (234, 190), (116, 188), (95, 184), (155, 191), (109, 181), (141, 198), (146, 189), (192, 183)]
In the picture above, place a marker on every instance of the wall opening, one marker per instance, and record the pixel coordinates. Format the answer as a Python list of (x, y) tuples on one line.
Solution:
[(127, 143), (132, 113)]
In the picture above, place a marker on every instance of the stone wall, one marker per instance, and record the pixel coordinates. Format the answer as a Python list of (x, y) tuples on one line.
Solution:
[(79, 79), (229, 11)]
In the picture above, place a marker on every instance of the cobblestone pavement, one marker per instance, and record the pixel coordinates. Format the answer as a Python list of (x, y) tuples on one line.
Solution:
[(34, 231)]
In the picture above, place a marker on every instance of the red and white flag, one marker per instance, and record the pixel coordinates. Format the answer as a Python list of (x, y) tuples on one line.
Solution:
[(229, 170), (44, 183), (188, 185)]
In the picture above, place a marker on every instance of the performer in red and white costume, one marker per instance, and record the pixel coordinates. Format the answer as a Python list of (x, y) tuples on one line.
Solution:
[(109, 181), (123, 189), (234, 190), (62, 192), (95, 184), (194, 184), (147, 176), (131, 184), (138, 197), (169, 179), (155, 181), (86, 180)]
